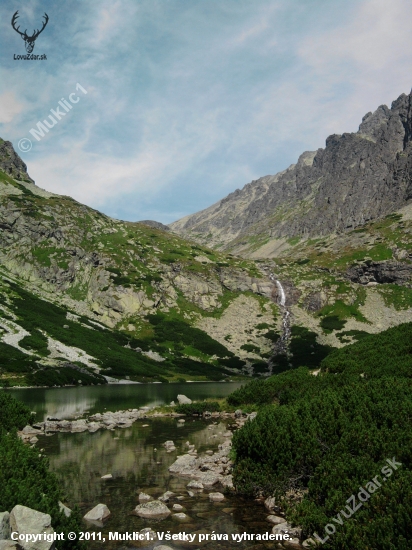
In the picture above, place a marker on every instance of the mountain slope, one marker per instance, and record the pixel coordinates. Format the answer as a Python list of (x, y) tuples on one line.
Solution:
[(178, 304), (357, 177)]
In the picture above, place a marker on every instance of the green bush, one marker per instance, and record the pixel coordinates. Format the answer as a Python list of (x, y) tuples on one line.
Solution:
[(175, 330), (198, 407), (36, 342), (24, 475), (250, 348), (327, 435), (332, 322)]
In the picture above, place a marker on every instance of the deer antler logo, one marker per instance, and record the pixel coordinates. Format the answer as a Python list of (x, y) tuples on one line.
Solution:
[(28, 40)]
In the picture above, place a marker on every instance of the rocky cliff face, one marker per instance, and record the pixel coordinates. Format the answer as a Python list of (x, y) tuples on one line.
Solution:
[(357, 177), (11, 164)]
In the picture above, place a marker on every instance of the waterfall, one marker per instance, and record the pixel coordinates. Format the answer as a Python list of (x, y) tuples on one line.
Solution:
[(280, 288), (286, 313), (282, 293)]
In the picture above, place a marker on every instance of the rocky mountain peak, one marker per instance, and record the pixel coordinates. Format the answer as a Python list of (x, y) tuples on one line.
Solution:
[(357, 177), (11, 163)]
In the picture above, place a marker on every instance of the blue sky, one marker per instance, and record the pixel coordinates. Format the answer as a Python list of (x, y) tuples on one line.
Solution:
[(188, 100)]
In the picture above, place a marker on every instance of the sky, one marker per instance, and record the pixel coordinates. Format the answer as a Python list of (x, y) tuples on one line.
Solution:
[(176, 103)]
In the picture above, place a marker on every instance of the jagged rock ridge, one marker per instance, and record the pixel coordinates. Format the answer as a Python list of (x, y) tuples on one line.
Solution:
[(357, 177)]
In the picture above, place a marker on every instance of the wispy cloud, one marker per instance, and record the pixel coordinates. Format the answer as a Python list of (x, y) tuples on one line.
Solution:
[(189, 100)]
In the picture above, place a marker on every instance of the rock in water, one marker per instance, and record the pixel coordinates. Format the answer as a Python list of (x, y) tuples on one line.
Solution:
[(216, 497), (143, 497), (180, 516), (183, 400), (26, 521), (98, 514), (153, 509)]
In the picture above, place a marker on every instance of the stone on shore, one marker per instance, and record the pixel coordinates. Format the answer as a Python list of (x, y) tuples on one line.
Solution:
[(4, 525), (98, 514), (107, 476), (270, 505), (285, 527), (276, 520), (166, 496), (152, 509), (66, 511), (26, 521), (183, 400)]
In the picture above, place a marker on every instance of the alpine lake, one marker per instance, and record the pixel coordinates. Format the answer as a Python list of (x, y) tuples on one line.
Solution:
[(138, 461)]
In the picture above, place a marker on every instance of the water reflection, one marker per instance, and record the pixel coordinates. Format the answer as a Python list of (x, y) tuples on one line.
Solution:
[(139, 463), (68, 402)]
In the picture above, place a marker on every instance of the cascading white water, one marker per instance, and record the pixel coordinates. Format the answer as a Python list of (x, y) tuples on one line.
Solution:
[(282, 303), (282, 293)]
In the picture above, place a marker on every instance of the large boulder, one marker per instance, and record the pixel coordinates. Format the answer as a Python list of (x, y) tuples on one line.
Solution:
[(25, 521), (183, 400), (4, 525), (152, 509)]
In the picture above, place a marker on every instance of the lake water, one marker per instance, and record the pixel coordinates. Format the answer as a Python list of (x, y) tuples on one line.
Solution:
[(139, 462), (68, 402)]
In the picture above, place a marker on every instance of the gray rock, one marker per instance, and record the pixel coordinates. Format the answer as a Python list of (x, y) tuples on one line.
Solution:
[(184, 465), (107, 476), (153, 509), (166, 496), (183, 400), (381, 272), (163, 547), (216, 497), (209, 479), (195, 485), (143, 497), (270, 504), (9, 545), (276, 520), (11, 163), (180, 516), (177, 507), (309, 543), (66, 511), (26, 521), (285, 527), (98, 514), (4, 525)]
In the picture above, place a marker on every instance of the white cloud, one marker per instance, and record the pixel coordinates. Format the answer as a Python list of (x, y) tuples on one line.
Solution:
[(10, 106), (197, 100)]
